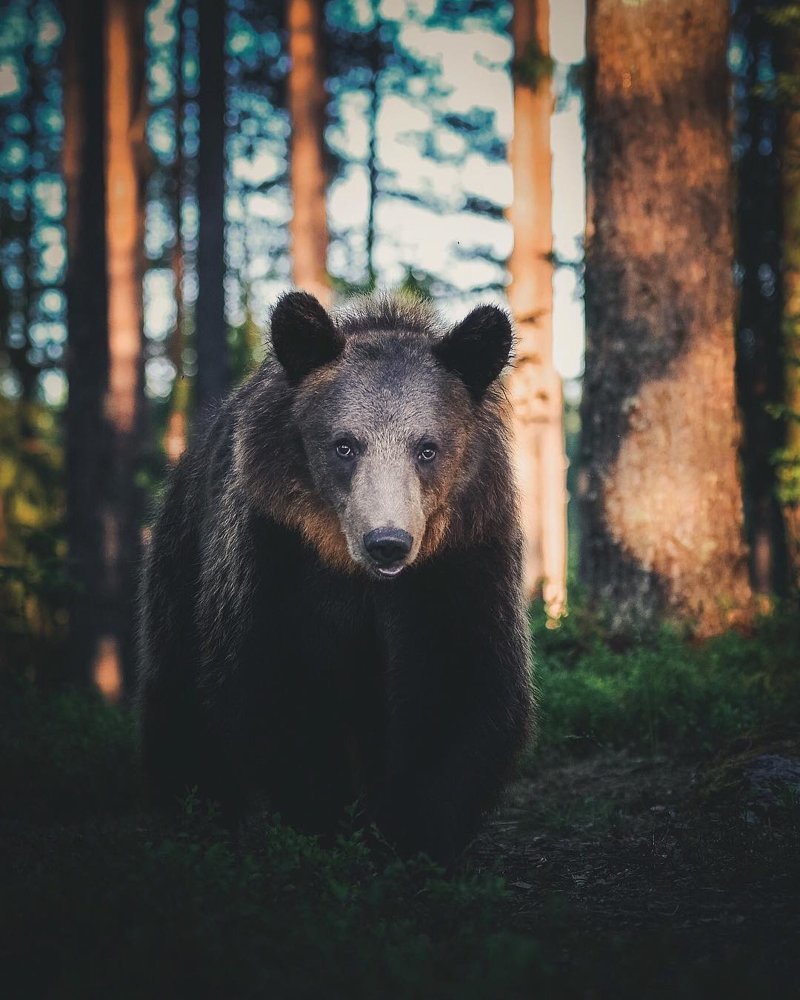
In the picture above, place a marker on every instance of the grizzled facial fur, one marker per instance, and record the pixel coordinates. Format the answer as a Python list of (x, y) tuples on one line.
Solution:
[(387, 416)]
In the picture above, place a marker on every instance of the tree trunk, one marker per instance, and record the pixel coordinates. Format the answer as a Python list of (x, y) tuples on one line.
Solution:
[(662, 511), (375, 64), (87, 318), (309, 225), (124, 38), (789, 467), (536, 387), (211, 332), (176, 431), (28, 372), (759, 362)]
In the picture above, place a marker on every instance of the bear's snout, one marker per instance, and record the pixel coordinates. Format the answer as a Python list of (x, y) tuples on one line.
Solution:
[(388, 547)]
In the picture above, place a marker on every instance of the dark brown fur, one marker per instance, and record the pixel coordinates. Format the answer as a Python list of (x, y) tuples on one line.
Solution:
[(273, 660)]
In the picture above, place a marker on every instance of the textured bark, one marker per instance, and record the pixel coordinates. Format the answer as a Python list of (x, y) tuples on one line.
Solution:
[(309, 225), (661, 502), (536, 387), (789, 468), (87, 318), (211, 335), (124, 52)]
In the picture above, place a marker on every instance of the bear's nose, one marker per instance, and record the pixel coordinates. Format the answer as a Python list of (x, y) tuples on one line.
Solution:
[(387, 545)]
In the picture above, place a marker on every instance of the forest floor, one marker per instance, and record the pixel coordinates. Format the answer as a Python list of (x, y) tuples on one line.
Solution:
[(650, 848), (654, 876)]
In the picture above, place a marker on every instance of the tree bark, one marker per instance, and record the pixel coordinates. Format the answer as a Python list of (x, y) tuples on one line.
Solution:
[(175, 435), (211, 333), (87, 318), (759, 362), (124, 52), (535, 386), (309, 225), (661, 501), (789, 467)]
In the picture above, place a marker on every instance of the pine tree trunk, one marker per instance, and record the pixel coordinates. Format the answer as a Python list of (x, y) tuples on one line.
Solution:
[(211, 336), (789, 468), (124, 49), (175, 435), (759, 362), (661, 501), (87, 320), (28, 372), (536, 387), (375, 61), (309, 225)]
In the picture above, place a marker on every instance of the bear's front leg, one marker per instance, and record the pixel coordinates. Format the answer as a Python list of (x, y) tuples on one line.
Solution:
[(460, 702)]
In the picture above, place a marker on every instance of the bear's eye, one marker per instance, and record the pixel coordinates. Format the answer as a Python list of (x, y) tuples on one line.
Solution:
[(427, 453), (345, 450)]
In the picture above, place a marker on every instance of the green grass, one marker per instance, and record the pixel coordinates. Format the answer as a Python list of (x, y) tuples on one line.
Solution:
[(661, 692)]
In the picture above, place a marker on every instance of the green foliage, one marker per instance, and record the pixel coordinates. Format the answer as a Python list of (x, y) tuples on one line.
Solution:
[(532, 66), (661, 692), (246, 345), (33, 584)]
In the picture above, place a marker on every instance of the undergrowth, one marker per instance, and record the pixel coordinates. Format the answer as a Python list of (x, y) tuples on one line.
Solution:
[(661, 692), (99, 898)]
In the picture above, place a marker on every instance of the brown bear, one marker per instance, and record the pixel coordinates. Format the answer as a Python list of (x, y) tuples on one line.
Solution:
[(331, 607)]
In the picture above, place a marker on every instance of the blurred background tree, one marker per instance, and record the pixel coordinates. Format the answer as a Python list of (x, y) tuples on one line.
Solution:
[(785, 20), (536, 386)]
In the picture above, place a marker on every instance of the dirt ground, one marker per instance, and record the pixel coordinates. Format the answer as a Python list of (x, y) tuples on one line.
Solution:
[(642, 887)]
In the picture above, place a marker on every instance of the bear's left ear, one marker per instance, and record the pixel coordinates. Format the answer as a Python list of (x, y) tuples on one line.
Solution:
[(303, 335), (478, 348)]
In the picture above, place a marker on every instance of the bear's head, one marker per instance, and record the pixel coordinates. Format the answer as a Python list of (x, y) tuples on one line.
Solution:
[(389, 407)]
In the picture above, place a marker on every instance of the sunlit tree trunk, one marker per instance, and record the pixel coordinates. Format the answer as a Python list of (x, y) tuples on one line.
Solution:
[(309, 225), (789, 467), (125, 146), (211, 335), (662, 512), (536, 387), (87, 320), (176, 431)]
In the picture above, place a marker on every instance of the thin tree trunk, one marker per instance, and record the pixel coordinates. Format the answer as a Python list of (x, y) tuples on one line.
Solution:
[(662, 511), (176, 430), (309, 225), (28, 372), (124, 50), (536, 387), (87, 318), (789, 468), (759, 364), (211, 335), (375, 59)]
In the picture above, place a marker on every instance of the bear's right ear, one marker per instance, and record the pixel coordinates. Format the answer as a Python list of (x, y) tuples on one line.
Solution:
[(478, 348), (303, 335)]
